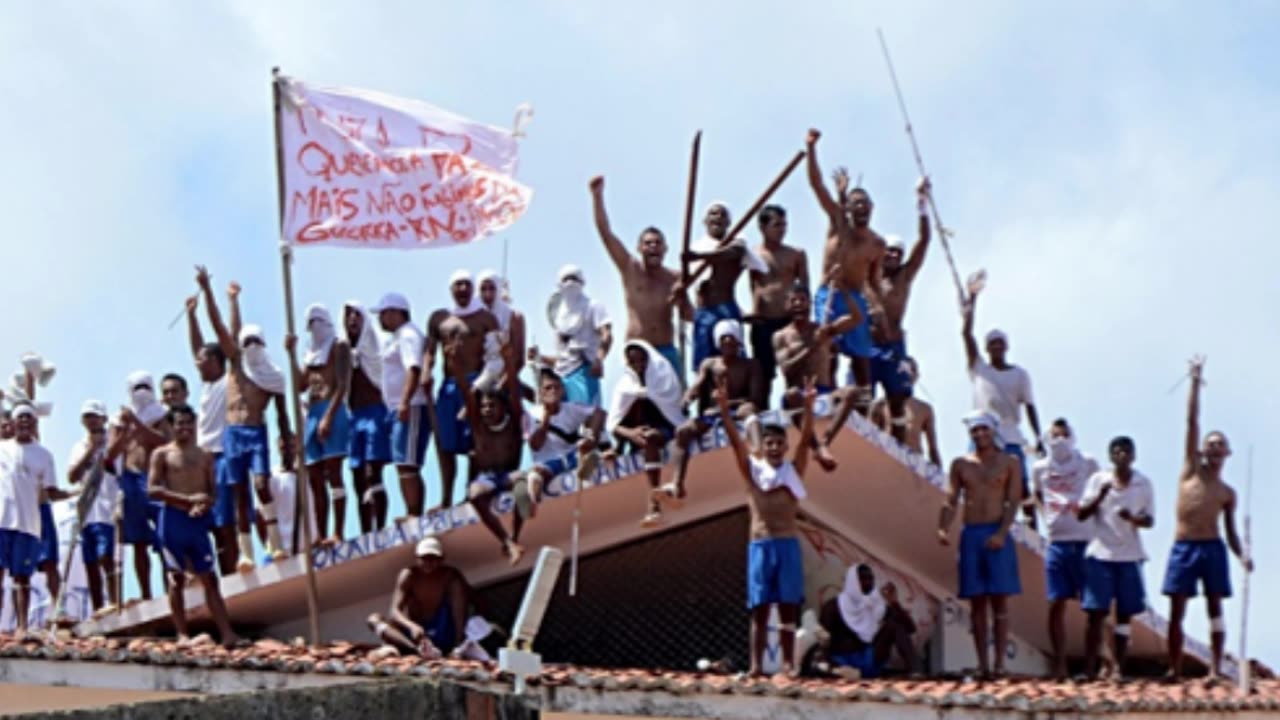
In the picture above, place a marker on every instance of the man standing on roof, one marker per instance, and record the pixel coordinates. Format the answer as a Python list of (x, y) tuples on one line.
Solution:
[(988, 481), (1120, 502), (428, 614), (650, 290), (97, 520), (1059, 482), (139, 429), (775, 487), (922, 423), (787, 266), (1198, 556), (405, 393), (370, 448), (715, 296), (254, 381), (584, 335), (467, 323), (211, 425), (26, 469), (173, 390), (323, 376), (1002, 389)]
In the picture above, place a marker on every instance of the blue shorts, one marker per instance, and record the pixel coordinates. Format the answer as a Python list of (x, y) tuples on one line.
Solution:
[(775, 572), (339, 434), (556, 467), (370, 436), (672, 355), (1198, 561), (493, 481), (409, 439), (453, 434), (581, 387), (48, 537), (855, 342), (139, 511), (1119, 581), (704, 329), (18, 553), (864, 660), (888, 368), (223, 513), (440, 628), (1064, 570), (246, 452), (184, 541), (97, 542), (983, 571)]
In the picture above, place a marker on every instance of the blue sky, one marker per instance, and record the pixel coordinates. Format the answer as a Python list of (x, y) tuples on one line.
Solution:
[(1110, 165)]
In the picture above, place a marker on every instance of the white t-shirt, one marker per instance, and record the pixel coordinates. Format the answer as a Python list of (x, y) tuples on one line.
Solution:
[(284, 488), (569, 420), (25, 468), (213, 415), (401, 351), (1002, 393), (1062, 488), (104, 504), (575, 350), (1114, 538)]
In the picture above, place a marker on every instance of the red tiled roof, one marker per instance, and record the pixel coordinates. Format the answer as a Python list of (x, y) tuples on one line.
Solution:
[(352, 659)]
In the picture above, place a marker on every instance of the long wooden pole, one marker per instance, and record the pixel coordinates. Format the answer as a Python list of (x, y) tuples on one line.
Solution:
[(1246, 669), (755, 208), (687, 238), (303, 488)]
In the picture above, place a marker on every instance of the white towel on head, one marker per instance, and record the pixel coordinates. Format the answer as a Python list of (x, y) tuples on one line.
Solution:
[(727, 327), (320, 327), (257, 363), (769, 478), (659, 385), (474, 306), (862, 612), (143, 403), (500, 308), (366, 353)]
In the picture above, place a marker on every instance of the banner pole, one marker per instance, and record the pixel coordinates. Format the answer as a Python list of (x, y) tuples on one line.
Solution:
[(302, 491)]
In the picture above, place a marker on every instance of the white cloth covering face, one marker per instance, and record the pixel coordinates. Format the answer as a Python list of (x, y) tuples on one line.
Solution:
[(143, 401), (366, 353), (769, 478), (1060, 479), (25, 470), (862, 612), (577, 320), (1114, 538), (500, 308), (320, 328), (659, 385), (257, 363)]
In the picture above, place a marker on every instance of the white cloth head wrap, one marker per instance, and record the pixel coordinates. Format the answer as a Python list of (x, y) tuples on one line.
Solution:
[(894, 242), (727, 327), (861, 612), (365, 350), (474, 306), (980, 418), (659, 385), (320, 327), (257, 363), (500, 307), (144, 404), (997, 335)]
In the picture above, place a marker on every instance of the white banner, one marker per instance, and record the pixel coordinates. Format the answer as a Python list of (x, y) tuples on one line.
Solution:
[(363, 169)]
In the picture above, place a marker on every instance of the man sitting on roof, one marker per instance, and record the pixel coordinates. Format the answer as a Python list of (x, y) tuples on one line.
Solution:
[(864, 625), (564, 437), (428, 614)]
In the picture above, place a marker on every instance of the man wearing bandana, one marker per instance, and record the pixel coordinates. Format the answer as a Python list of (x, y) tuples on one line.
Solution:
[(1059, 482), (370, 441), (584, 334), (727, 258), (468, 322), (494, 294), (325, 371), (253, 382)]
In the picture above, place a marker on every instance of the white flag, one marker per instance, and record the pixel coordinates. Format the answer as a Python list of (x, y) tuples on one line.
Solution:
[(363, 169)]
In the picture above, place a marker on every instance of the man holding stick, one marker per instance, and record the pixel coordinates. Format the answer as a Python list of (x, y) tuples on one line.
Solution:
[(98, 507), (211, 426), (787, 266)]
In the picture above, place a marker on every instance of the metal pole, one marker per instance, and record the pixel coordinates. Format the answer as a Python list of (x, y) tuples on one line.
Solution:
[(1246, 670)]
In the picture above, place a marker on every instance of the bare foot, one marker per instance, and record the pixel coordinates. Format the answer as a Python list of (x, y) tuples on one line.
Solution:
[(824, 458), (514, 553)]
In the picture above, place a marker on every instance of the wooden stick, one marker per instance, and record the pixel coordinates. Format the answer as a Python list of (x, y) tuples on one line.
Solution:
[(755, 208), (1246, 670), (687, 238), (303, 488)]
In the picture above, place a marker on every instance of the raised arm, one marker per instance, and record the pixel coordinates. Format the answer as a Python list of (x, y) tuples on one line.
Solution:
[(617, 251), (194, 336), (721, 395), (948, 512), (233, 299), (970, 344), (916, 259), (1193, 414), (230, 347), (801, 458), (834, 212)]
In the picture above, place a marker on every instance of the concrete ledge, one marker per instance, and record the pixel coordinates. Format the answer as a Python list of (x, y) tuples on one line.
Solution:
[(124, 676)]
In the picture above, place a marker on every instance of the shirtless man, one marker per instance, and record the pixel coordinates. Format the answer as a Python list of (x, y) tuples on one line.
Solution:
[(252, 383), (428, 611), (327, 438), (804, 350), (716, 294), (496, 417), (370, 448), (921, 422), (989, 483), (650, 290), (775, 487), (746, 396), (181, 480), (889, 351), (857, 250), (173, 390), (211, 426), (1198, 555), (787, 266), (467, 322), (139, 429)]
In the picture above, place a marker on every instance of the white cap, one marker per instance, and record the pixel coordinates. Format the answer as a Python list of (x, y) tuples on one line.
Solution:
[(979, 418), (894, 242), (22, 409), (391, 301), (572, 271), (429, 545), (94, 407), (460, 276), (729, 327), (997, 335)]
